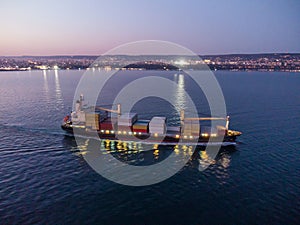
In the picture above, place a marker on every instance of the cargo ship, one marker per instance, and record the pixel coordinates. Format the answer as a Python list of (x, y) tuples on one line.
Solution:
[(99, 121)]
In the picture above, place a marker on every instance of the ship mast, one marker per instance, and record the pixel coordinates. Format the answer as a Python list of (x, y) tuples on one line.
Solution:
[(227, 123)]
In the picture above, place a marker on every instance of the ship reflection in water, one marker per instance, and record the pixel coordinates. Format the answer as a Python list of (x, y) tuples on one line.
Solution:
[(139, 154)]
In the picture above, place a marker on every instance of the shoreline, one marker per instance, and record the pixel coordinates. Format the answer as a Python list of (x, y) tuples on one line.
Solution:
[(86, 69)]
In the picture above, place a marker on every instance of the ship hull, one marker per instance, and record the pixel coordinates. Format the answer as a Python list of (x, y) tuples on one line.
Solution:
[(167, 139)]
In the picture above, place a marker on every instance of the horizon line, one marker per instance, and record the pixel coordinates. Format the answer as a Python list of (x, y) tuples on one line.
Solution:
[(93, 55)]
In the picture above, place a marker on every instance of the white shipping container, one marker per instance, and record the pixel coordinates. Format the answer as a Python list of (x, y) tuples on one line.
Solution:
[(157, 125), (161, 131)]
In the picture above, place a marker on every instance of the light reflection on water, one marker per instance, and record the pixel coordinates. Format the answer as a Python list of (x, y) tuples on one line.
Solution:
[(58, 93), (179, 92), (134, 153), (46, 86)]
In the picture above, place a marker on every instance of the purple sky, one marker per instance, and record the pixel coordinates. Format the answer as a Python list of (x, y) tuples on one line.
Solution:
[(93, 27)]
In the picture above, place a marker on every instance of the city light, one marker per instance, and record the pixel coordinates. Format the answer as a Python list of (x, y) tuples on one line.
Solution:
[(181, 62)]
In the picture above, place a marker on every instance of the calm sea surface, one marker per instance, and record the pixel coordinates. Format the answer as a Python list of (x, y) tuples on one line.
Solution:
[(44, 178)]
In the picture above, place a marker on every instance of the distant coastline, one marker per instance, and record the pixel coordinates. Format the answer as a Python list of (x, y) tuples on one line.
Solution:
[(289, 62)]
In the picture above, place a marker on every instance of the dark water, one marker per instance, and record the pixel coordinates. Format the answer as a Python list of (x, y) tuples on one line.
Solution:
[(44, 179)]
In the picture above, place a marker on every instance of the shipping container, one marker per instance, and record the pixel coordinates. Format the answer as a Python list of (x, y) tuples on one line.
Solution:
[(140, 130), (109, 124), (157, 125), (127, 119), (141, 125)]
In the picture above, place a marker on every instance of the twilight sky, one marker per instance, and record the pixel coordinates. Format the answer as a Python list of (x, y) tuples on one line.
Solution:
[(55, 27)]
